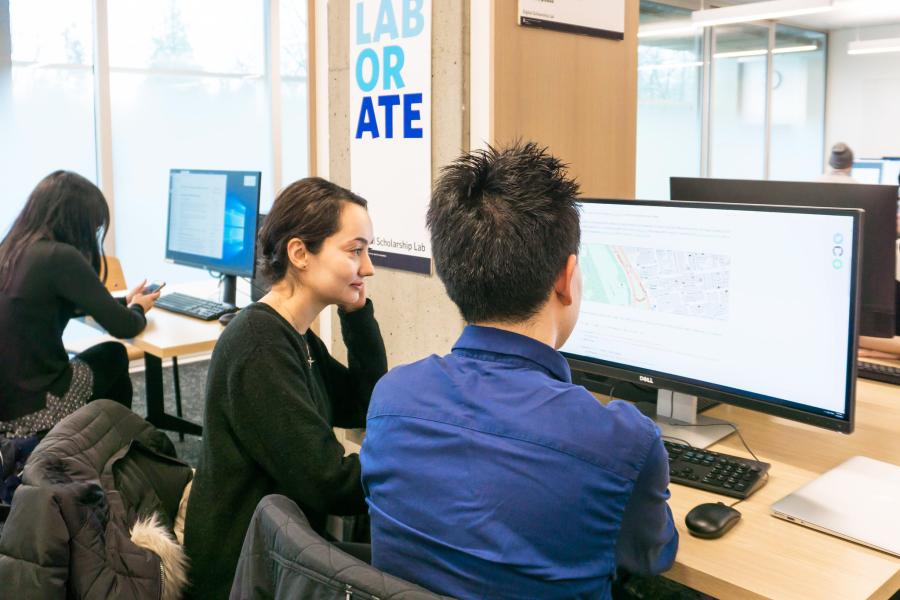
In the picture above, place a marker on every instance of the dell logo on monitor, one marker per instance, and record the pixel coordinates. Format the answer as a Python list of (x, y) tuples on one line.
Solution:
[(645, 379)]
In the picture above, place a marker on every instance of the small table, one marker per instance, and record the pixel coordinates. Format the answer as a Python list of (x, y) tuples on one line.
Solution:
[(167, 335)]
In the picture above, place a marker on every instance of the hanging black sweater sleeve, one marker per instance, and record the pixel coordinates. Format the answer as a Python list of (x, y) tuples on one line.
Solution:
[(280, 425), (350, 387), (74, 279)]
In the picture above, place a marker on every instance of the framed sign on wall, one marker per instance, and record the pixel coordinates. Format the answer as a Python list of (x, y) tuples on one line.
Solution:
[(390, 126), (599, 18)]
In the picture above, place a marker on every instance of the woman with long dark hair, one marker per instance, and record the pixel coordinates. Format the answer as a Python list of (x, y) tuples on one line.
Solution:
[(274, 392), (50, 262)]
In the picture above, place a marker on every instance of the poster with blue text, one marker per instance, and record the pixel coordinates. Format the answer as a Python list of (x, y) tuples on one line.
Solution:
[(390, 126)]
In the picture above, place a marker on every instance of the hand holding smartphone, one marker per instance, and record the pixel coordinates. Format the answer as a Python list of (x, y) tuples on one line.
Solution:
[(153, 286)]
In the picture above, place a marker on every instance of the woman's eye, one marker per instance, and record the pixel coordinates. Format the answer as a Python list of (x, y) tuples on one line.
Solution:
[(358, 251)]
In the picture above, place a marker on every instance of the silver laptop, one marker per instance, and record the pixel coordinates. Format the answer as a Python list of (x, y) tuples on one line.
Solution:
[(859, 500)]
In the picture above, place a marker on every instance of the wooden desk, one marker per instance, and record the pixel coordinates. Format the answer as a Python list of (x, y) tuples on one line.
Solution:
[(168, 335), (766, 557)]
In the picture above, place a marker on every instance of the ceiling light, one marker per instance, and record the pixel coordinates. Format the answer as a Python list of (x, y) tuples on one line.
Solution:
[(758, 11), (791, 49), (763, 51), (874, 46), (741, 53), (668, 66)]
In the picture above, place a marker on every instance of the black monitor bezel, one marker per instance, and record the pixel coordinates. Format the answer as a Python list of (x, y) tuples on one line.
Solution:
[(769, 405), (200, 264)]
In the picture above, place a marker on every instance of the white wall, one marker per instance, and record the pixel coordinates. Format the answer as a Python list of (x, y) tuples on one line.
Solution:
[(863, 98)]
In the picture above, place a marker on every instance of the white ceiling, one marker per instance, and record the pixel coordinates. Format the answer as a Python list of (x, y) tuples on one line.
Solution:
[(851, 13)]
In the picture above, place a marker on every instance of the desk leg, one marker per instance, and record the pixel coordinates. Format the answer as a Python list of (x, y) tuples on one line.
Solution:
[(177, 393), (156, 410)]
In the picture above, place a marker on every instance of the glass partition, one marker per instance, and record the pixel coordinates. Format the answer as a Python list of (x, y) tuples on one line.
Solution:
[(720, 118), (738, 111), (670, 75), (798, 104)]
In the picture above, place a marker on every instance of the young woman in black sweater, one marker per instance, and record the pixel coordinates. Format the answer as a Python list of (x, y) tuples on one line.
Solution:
[(274, 392), (49, 272)]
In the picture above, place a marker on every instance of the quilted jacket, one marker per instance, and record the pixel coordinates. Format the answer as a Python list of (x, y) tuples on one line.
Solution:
[(86, 483), (283, 558)]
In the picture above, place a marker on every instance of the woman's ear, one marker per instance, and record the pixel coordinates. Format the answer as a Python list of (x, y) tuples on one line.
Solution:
[(297, 253)]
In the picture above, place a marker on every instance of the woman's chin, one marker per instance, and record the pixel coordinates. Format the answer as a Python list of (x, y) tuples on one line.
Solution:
[(348, 299)]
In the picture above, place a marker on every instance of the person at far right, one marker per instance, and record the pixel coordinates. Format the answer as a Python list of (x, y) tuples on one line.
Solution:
[(487, 472)]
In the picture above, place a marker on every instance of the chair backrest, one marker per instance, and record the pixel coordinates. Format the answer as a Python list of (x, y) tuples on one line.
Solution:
[(115, 278), (283, 557)]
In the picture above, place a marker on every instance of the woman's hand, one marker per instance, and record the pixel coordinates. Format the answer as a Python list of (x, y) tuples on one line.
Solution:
[(360, 302), (145, 301), (129, 297)]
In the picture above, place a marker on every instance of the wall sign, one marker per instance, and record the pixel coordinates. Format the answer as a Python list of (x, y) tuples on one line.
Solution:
[(390, 126), (599, 18)]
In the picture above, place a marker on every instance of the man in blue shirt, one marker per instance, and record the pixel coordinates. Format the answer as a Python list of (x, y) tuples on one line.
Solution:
[(488, 474)]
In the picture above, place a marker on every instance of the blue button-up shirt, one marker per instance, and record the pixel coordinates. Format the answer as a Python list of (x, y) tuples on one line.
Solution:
[(490, 475)]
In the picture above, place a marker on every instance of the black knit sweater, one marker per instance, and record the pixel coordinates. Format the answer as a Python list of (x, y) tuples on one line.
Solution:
[(52, 283), (268, 430)]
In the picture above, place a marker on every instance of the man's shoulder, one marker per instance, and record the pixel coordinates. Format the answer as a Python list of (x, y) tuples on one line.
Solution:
[(408, 375)]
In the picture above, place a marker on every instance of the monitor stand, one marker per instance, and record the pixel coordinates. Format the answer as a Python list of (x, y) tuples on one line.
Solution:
[(229, 289), (677, 418)]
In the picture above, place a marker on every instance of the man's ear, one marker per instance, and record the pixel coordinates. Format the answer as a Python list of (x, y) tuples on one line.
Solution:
[(563, 285), (297, 253)]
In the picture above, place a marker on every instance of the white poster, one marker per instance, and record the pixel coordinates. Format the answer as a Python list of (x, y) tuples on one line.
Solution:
[(600, 18), (390, 126)]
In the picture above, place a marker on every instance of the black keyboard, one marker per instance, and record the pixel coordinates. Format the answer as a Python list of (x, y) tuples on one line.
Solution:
[(715, 472), (198, 308), (885, 373)]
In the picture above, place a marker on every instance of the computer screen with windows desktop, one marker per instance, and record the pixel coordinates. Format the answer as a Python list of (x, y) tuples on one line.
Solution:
[(750, 305), (212, 222), (879, 255)]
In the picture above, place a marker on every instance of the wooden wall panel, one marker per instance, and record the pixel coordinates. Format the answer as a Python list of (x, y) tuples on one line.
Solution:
[(573, 93)]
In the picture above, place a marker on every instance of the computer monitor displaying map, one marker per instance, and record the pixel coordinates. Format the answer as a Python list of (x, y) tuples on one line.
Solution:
[(750, 305)]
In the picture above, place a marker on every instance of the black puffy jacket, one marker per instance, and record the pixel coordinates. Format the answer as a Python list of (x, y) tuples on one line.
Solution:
[(67, 535)]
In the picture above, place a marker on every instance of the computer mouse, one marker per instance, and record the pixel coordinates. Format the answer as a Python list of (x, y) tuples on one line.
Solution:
[(711, 520), (226, 318)]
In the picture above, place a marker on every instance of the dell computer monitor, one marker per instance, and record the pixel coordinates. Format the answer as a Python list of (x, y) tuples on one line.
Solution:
[(212, 222), (877, 310), (750, 305)]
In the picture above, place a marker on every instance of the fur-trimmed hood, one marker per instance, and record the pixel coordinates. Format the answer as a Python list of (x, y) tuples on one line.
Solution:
[(93, 516)]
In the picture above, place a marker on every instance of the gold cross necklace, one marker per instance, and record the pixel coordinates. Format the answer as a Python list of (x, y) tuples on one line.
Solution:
[(283, 306), (309, 357)]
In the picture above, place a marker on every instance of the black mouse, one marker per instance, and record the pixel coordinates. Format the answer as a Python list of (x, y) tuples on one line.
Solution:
[(711, 520), (226, 318)]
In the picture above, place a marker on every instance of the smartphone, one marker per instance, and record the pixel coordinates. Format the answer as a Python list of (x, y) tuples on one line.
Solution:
[(153, 286)]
